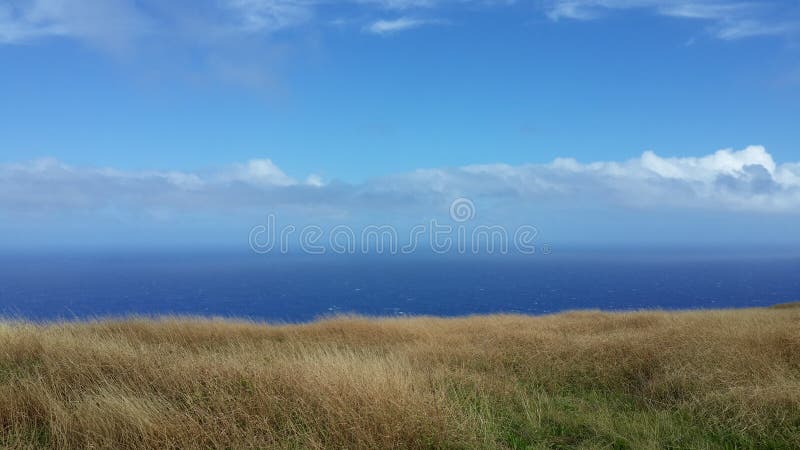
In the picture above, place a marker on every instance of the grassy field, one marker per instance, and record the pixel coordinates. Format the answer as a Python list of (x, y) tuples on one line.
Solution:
[(707, 379)]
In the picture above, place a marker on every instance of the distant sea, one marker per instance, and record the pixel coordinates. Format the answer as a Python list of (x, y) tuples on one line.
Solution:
[(44, 286)]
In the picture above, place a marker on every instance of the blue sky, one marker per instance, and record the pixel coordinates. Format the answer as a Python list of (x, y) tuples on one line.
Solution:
[(187, 120)]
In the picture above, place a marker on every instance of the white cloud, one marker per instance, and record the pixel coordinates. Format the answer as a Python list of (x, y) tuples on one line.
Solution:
[(707, 168), (745, 181), (314, 180), (260, 172), (395, 25)]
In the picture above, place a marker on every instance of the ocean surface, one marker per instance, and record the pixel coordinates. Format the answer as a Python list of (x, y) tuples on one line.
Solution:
[(46, 286)]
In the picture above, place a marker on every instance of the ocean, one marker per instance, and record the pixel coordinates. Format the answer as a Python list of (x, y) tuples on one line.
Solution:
[(43, 286)]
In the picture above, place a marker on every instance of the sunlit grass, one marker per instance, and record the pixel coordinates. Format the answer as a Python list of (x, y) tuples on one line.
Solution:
[(583, 379)]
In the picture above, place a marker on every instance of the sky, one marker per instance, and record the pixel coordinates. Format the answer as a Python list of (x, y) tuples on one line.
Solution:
[(133, 122)]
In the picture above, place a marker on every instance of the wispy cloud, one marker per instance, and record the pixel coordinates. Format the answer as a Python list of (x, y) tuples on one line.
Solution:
[(399, 24), (123, 21), (728, 20), (235, 41), (109, 23), (752, 28), (270, 15), (120, 22), (402, 4)]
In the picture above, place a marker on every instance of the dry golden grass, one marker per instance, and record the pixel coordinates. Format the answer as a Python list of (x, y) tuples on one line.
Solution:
[(581, 379)]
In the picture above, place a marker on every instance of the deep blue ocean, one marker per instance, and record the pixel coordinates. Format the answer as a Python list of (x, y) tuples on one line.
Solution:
[(44, 286)]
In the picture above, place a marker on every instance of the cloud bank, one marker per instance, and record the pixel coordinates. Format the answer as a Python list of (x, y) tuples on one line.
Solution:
[(743, 182)]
